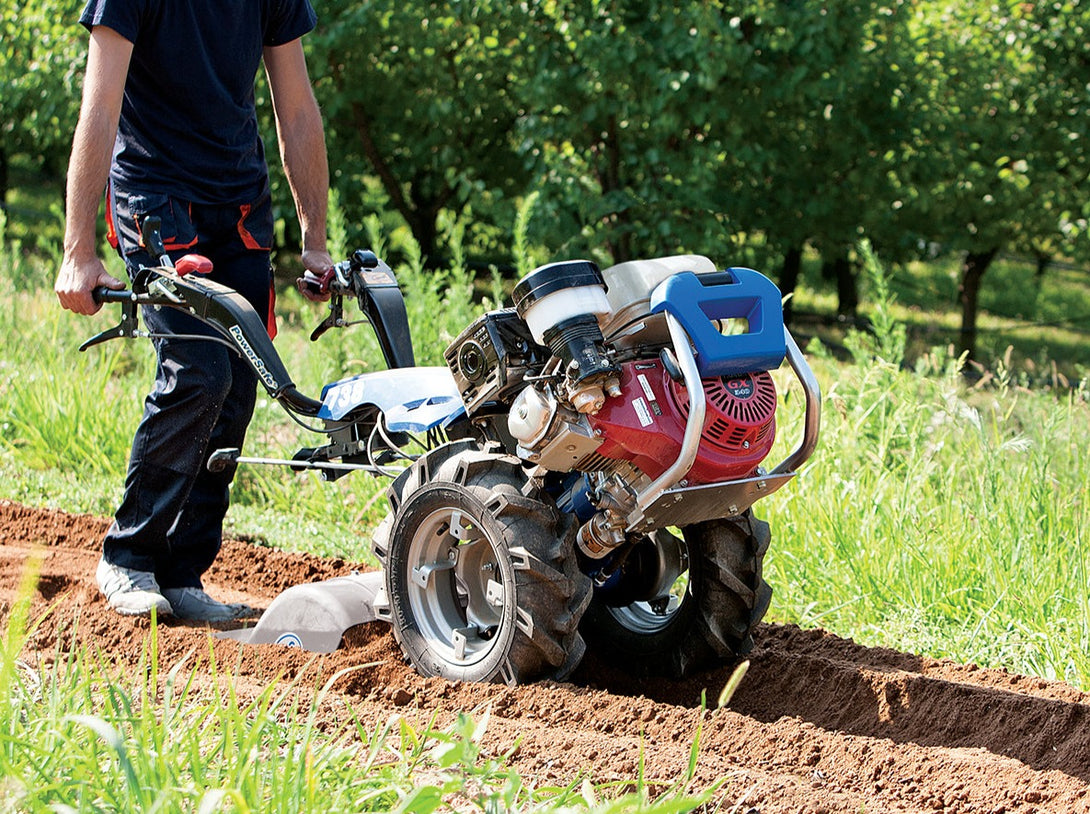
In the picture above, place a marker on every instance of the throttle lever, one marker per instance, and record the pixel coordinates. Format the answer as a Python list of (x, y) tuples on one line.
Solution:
[(335, 318), (129, 324)]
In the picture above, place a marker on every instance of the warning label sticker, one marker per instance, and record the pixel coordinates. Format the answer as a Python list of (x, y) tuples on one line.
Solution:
[(643, 413), (646, 385), (647, 391)]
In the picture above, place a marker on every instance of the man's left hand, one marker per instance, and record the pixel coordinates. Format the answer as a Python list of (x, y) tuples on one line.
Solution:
[(314, 284)]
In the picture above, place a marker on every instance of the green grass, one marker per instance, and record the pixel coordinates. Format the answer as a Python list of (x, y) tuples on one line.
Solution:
[(938, 518)]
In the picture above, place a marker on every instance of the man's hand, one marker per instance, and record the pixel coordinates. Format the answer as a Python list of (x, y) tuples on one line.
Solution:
[(77, 279), (314, 284)]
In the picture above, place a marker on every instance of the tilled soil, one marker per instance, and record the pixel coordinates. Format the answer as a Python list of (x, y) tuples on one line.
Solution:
[(819, 724)]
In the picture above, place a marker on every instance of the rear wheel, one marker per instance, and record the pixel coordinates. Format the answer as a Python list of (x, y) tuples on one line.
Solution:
[(701, 599), (481, 575)]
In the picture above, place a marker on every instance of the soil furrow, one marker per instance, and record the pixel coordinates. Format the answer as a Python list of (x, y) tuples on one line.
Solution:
[(819, 724)]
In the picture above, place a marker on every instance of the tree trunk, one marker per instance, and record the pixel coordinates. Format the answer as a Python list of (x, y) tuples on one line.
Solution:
[(3, 177), (972, 272), (424, 223), (1042, 261), (789, 280), (847, 291), (422, 217)]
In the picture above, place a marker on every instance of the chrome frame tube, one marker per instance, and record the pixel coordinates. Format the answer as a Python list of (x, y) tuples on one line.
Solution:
[(697, 408), (694, 427), (812, 421)]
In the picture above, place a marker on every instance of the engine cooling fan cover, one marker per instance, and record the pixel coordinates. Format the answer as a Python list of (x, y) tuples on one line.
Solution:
[(646, 423), (740, 411)]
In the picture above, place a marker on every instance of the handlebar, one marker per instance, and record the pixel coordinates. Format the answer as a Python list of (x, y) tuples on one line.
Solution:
[(363, 276), (102, 294), (349, 277)]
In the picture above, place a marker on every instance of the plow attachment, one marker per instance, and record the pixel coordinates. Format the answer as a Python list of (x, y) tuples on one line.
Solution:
[(314, 616)]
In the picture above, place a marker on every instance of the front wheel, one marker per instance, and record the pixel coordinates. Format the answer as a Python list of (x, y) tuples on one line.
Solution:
[(481, 575), (704, 610)]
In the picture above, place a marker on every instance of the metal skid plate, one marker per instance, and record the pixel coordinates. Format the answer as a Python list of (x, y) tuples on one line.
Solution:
[(315, 615), (685, 505)]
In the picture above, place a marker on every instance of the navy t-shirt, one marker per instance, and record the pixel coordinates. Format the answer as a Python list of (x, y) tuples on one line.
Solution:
[(188, 125)]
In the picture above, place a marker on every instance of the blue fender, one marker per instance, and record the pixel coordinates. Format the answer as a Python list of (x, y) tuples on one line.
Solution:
[(412, 399)]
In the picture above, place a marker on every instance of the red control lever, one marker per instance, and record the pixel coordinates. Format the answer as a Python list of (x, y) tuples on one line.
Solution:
[(193, 262)]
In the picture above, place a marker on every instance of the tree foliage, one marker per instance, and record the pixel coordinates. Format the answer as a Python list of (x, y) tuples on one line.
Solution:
[(819, 85), (989, 161), (420, 96), (1059, 35), (42, 52), (645, 127), (621, 109)]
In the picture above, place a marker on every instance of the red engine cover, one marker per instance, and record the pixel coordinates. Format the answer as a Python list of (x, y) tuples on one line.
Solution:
[(646, 423)]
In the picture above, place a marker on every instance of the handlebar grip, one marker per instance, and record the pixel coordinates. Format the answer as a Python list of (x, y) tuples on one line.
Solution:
[(318, 284), (102, 294)]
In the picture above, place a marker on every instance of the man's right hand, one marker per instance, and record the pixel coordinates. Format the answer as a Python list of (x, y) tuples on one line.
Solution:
[(77, 279)]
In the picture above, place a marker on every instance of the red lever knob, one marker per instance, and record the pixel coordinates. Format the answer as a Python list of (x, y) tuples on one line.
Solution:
[(193, 262)]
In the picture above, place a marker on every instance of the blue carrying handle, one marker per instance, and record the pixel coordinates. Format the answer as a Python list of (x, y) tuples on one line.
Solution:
[(738, 293)]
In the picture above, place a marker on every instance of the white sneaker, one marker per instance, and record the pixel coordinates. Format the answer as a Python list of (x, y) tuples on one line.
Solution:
[(131, 592), (196, 605)]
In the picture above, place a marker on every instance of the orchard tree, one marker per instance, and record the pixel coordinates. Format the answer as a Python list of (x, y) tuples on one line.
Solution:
[(42, 52), (419, 95), (983, 168), (619, 105), (811, 120)]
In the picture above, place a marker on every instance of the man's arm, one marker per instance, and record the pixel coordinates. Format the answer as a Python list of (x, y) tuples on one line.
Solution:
[(302, 148), (88, 168)]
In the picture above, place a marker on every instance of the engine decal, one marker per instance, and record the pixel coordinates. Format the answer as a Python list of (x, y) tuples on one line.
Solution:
[(642, 412), (256, 361), (741, 387), (647, 391)]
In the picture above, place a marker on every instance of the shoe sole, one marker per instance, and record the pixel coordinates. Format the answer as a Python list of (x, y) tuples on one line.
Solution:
[(167, 611)]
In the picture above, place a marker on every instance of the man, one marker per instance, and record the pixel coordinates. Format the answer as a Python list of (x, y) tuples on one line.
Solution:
[(168, 119)]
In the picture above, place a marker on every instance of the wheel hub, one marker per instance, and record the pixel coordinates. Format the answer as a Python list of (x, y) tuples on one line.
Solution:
[(456, 589)]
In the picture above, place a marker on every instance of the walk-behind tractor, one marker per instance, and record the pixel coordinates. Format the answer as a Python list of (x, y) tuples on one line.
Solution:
[(581, 472)]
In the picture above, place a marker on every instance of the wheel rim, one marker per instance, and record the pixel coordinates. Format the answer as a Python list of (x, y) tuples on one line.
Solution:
[(653, 617), (672, 587), (456, 587)]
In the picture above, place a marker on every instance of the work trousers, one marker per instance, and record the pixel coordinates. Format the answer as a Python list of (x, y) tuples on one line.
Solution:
[(171, 515)]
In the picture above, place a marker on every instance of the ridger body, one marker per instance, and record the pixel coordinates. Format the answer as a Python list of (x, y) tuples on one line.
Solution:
[(581, 473)]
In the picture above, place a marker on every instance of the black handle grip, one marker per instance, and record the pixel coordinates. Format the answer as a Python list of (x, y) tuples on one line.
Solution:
[(153, 241), (103, 294)]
